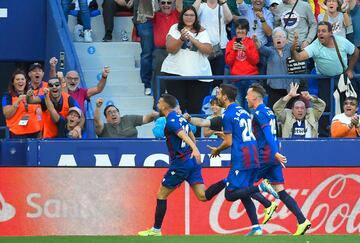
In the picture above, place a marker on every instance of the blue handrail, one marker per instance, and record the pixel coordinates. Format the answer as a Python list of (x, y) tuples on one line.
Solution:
[(56, 15), (257, 77)]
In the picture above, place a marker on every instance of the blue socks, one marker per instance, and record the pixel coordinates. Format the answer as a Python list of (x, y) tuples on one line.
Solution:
[(261, 199), (214, 189), (160, 213), (292, 206)]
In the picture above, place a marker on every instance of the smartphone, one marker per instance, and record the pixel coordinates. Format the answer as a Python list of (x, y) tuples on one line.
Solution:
[(62, 60), (238, 40)]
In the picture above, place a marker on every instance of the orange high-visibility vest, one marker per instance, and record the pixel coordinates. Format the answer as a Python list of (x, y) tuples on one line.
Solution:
[(32, 125), (50, 128)]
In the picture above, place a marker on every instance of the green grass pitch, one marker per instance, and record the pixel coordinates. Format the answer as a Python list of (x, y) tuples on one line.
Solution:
[(187, 239)]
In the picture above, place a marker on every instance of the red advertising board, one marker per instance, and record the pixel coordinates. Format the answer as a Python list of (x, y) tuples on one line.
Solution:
[(118, 201)]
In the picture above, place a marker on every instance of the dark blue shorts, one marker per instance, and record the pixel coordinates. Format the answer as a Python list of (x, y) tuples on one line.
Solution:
[(271, 172), (180, 171), (240, 178)]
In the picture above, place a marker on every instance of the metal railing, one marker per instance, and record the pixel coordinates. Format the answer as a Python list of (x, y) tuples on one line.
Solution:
[(257, 77)]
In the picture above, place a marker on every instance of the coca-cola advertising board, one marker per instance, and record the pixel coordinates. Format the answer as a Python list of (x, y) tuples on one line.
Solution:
[(120, 201)]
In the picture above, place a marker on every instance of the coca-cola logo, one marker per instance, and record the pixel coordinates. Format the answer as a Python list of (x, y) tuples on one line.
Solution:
[(333, 206)]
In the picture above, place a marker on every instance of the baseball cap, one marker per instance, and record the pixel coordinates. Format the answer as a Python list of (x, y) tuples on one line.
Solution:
[(74, 108), (35, 65), (275, 1)]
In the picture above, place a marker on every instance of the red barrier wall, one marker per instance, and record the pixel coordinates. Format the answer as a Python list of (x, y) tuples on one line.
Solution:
[(108, 201)]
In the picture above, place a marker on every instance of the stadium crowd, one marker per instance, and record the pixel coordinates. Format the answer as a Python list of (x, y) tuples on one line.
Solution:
[(204, 38)]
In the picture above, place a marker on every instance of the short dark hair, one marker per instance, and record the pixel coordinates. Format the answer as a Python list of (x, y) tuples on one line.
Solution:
[(229, 90), (170, 100), (107, 107), (329, 26), (256, 87), (352, 98), (242, 24)]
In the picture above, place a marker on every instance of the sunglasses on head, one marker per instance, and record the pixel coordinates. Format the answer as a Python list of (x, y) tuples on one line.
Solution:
[(165, 2), (51, 85)]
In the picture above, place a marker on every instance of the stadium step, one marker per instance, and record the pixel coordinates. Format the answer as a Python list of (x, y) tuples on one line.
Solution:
[(124, 87)]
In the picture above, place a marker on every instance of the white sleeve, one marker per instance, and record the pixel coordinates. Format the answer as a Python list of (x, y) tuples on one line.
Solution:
[(174, 32)]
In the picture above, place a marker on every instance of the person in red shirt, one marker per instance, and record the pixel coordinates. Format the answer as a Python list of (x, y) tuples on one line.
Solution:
[(163, 20), (242, 57)]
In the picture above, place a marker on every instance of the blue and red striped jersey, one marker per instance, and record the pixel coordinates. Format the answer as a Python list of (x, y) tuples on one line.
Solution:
[(178, 149), (237, 121), (264, 127)]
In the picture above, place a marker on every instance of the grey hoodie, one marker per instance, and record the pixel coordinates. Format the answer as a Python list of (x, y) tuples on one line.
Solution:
[(302, 20)]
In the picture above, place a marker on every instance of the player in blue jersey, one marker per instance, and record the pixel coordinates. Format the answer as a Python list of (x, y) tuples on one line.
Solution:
[(185, 163), (271, 160), (238, 134)]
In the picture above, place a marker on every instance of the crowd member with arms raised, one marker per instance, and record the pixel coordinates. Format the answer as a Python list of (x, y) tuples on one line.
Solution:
[(22, 118)]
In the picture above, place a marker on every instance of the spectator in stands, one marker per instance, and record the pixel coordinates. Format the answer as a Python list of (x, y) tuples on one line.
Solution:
[(327, 62), (158, 129), (230, 28), (110, 7), (213, 16), (36, 75), (276, 64), (260, 19), (84, 13), (163, 20), (69, 126), (116, 126), (302, 20), (242, 57), (188, 45), (61, 101), (217, 112), (300, 121), (72, 80), (337, 15), (355, 15), (21, 117), (347, 125), (273, 4)]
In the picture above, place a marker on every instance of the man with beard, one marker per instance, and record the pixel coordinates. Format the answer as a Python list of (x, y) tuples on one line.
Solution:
[(116, 126), (69, 126), (62, 103), (72, 81), (185, 163), (238, 135)]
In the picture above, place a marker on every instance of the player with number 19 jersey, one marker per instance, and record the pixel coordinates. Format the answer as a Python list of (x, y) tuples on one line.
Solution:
[(264, 127), (244, 154), (178, 149), (182, 167)]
